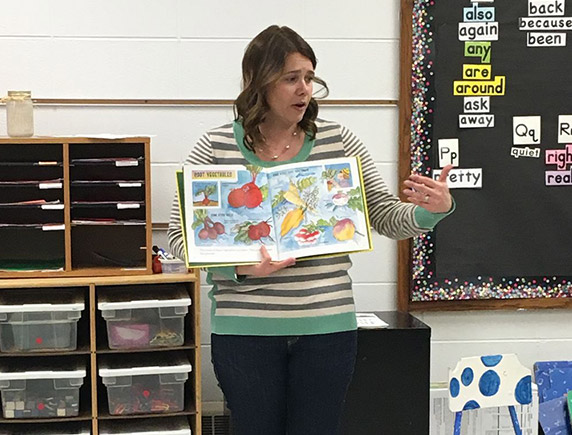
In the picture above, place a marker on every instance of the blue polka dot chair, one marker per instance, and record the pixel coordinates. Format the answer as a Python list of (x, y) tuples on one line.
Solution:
[(489, 381)]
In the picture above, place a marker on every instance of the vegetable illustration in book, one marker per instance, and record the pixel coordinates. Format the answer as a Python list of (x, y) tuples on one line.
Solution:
[(297, 210)]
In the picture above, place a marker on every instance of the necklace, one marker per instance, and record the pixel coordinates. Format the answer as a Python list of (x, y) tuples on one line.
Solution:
[(281, 153)]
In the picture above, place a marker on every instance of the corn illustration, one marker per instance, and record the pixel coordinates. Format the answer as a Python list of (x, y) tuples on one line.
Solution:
[(292, 220)]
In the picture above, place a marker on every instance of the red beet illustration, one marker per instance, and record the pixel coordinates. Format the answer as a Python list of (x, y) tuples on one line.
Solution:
[(259, 230), (248, 231), (210, 230), (236, 198), (206, 192), (249, 194), (253, 232), (252, 195), (264, 229)]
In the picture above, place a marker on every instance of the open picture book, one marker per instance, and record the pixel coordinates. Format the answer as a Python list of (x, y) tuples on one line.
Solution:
[(301, 210)]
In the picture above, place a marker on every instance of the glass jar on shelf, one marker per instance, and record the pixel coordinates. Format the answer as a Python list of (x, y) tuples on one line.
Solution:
[(19, 114)]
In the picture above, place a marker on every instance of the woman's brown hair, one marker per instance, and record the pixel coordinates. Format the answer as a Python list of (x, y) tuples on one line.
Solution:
[(262, 64)]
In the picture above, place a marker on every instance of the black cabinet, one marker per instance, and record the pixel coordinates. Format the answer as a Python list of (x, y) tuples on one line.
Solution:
[(389, 393)]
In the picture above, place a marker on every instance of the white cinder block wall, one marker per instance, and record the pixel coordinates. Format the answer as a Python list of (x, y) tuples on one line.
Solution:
[(191, 49)]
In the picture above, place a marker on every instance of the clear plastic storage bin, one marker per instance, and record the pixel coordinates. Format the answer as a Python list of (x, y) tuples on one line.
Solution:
[(33, 321), (165, 426), (38, 393), (173, 265), (135, 387), (145, 318)]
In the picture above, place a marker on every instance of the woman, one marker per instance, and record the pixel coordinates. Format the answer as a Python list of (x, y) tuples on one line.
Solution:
[(284, 333)]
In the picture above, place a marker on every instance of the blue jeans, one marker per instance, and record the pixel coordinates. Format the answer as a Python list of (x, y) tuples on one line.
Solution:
[(285, 385)]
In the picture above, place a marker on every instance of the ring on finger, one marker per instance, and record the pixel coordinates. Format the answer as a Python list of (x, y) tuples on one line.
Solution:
[(426, 198)]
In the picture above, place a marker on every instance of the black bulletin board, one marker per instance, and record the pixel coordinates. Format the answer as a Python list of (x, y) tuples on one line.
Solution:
[(509, 241)]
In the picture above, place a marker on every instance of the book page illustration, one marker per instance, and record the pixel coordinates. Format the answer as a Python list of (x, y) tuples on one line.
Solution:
[(228, 213), (319, 208)]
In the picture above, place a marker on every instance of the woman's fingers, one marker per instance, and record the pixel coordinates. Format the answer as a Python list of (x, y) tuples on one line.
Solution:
[(428, 181), (445, 173), (284, 263), (266, 265), (266, 259)]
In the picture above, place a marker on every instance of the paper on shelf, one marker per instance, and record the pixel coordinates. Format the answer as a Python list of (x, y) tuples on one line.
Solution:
[(370, 321)]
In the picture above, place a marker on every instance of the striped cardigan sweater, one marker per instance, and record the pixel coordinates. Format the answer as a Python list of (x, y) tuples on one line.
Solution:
[(313, 296)]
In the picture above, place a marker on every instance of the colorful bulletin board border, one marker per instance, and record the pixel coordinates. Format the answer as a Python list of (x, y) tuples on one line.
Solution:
[(423, 285)]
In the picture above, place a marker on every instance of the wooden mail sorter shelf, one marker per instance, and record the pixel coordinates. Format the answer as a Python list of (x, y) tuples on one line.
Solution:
[(74, 207), (93, 351)]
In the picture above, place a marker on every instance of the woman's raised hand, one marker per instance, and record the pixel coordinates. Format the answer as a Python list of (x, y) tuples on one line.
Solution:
[(432, 195)]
